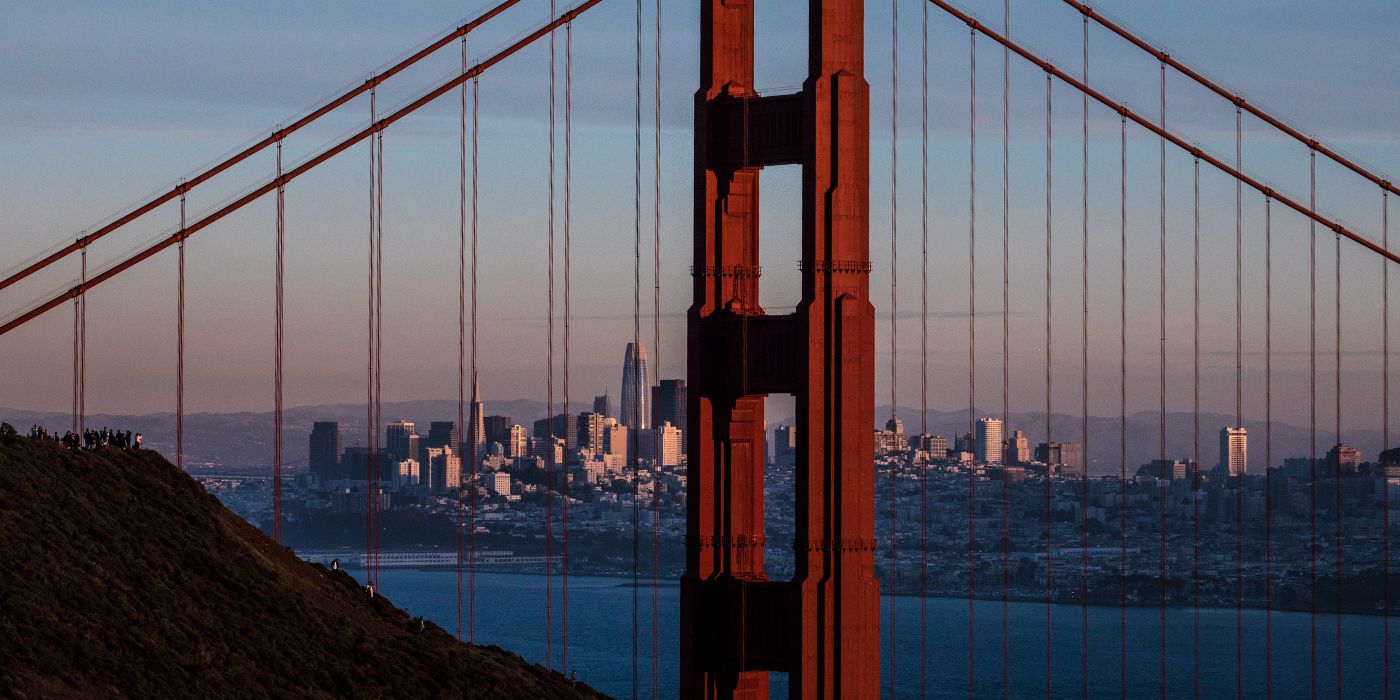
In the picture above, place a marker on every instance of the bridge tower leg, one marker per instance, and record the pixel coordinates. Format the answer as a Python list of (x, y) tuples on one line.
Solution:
[(821, 627)]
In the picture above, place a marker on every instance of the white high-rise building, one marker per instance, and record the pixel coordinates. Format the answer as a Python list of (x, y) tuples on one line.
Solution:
[(670, 445), (519, 444), (408, 473), (990, 434), (500, 483), (615, 440), (1234, 450), (454, 470), (1019, 448), (636, 388)]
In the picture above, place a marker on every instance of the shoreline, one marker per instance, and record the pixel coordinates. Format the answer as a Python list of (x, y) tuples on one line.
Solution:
[(624, 581)]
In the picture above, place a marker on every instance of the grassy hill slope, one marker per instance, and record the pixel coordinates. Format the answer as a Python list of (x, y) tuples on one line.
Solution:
[(120, 576)]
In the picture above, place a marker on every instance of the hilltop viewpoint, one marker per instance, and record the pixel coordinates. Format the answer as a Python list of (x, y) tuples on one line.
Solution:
[(121, 577)]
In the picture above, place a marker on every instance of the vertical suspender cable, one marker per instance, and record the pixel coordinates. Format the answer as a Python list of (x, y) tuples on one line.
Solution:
[(1084, 392), (923, 381), (1336, 485), (1312, 423), (972, 363), (462, 328), (179, 341), (472, 495), (1268, 447), (656, 349), (1162, 398), (634, 430), (1239, 405), (277, 370), (1049, 358), (369, 364), (77, 344), (82, 341), (1385, 440), (1005, 345), (81, 352), (1123, 404), (378, 342), (894, 330), (1196, 427), (550, 451), (564, 502)]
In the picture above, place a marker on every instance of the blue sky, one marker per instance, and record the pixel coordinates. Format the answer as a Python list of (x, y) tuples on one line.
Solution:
[(105, 103)]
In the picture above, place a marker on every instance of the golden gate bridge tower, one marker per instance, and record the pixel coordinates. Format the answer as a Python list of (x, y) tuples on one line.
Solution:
[(821, 627)]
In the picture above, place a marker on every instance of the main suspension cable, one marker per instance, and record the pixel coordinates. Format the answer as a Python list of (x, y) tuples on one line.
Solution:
[(184, 186), (305, 166), (1153, 127), (1216, 88)]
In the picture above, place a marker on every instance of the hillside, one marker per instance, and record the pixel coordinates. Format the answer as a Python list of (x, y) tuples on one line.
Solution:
[(120, 576)]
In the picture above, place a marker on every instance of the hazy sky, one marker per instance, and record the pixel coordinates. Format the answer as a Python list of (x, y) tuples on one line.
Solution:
[(105, 103)]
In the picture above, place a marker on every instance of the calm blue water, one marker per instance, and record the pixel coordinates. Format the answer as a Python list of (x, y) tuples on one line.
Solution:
[(510, 613)]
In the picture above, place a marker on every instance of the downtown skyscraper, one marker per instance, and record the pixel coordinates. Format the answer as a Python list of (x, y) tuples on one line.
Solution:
[(636, 389)]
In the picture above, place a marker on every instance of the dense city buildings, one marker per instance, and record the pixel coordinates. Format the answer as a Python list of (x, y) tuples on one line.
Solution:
[(986, 481)]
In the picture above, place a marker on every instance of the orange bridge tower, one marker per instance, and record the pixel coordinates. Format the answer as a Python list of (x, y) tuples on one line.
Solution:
[(822, 627)]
